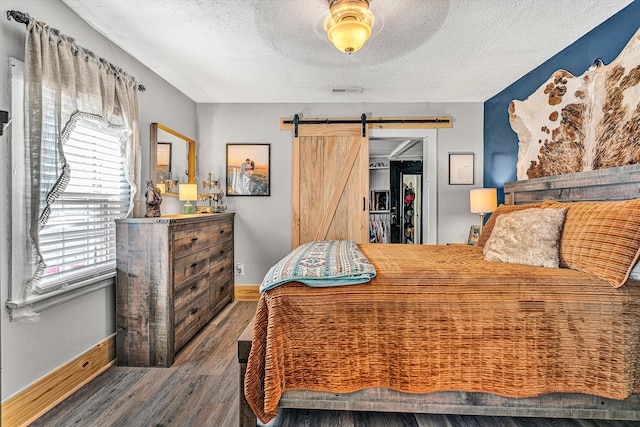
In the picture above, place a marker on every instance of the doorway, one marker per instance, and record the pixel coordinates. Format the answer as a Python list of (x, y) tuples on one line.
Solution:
[(428, 223), (406, 201)]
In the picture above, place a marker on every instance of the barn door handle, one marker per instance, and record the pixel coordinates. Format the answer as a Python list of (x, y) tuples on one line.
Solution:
[(364, 203)]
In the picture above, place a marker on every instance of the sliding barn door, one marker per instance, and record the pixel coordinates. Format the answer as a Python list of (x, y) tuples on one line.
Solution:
[(330, 184)]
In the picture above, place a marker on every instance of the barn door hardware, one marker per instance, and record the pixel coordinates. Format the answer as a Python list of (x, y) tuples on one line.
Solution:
[(378, 122)]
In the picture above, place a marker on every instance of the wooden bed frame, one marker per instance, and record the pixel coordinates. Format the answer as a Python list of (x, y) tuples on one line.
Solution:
[(619, 183)]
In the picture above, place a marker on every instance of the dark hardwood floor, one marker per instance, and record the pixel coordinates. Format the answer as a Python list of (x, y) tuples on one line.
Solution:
[(201, 389)]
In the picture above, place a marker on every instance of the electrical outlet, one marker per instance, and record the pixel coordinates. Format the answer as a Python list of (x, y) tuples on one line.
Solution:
[(239, 269)]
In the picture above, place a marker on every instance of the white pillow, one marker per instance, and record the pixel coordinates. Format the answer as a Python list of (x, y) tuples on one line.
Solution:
[(529, 237)]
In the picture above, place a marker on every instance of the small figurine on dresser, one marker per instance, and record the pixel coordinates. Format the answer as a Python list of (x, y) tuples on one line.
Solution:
[(154, 198)]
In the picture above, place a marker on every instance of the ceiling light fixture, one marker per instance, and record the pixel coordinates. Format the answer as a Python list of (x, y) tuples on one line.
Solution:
[(349, 24)]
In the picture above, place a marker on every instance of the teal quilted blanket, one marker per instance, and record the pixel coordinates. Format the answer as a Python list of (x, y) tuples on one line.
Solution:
[(321, 263)]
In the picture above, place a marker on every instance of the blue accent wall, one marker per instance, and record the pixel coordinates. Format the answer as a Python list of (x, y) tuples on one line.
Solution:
[(500, 141)]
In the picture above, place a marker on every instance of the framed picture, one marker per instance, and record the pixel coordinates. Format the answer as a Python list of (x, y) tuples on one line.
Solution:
[(474, 235), (164, 161), (379, 200), (461, 168), (248, 170)]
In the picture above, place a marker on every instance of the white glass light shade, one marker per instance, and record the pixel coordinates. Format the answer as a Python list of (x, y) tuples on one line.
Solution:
[(349, 36), (349, 24), (483, 200)]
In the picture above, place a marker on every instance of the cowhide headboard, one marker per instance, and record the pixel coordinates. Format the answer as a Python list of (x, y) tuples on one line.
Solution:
[(621, 183)]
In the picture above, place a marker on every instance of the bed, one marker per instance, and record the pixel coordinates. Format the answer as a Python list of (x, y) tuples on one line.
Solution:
[(441, 330)]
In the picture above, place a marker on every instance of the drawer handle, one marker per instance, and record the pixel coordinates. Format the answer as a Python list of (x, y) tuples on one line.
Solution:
[(194, 287), (221, 231), (194, 239), (221, 251), (194, 310), (221, 270), (194, 264), (221, 288)]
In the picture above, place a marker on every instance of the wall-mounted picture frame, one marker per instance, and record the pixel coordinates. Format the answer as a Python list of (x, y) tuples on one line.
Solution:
[(461, 169), (474, 235), (164, 161), (248, 169), (379, 200)]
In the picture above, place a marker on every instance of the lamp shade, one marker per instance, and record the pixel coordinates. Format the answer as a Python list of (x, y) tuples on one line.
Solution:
[(483, 200), (188, 192)]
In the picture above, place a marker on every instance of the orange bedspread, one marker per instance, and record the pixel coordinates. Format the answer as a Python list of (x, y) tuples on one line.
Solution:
[(440, 318)]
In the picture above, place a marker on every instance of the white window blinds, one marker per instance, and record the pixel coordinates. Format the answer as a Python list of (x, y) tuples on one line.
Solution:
[(78, 243)]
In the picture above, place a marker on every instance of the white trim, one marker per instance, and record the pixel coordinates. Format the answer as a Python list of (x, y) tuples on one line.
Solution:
[(23, 308)]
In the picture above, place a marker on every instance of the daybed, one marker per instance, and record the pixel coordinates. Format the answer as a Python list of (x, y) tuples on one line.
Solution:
[(442, 330)]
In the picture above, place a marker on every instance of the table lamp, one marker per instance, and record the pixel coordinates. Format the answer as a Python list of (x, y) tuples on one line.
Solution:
[(483, 201), (188, 192)]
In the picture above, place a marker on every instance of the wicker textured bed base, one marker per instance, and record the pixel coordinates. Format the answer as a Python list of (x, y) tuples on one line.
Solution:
[(558, 405)]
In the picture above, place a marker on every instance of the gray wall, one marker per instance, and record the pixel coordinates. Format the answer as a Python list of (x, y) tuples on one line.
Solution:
[(31, 350), (263, 224)]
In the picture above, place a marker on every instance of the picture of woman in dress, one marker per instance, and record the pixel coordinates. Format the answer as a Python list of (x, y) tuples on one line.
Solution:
[(248, 170)]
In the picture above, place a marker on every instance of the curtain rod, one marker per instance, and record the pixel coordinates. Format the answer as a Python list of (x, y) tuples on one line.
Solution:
[(23, 18), (18, 16)]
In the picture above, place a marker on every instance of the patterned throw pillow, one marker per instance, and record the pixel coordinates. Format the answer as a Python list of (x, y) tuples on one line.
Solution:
[(529, 237)]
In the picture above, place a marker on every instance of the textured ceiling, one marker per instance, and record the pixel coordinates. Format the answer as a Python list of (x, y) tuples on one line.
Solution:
[(276, 50)]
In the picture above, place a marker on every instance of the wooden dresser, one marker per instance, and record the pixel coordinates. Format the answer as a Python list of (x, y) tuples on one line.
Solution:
[(174, 274)]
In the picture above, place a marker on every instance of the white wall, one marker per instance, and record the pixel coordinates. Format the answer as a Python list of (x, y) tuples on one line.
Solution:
[(263, 224), (31, 350)]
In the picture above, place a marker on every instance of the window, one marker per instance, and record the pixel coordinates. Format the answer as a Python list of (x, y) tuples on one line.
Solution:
[(79, 240), (77, 243)]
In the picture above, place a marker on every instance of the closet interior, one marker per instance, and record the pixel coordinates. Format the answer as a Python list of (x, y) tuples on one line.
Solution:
[(395, 184)]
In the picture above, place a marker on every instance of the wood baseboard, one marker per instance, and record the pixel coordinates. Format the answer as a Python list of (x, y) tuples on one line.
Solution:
[(34, 401), (246, 292)]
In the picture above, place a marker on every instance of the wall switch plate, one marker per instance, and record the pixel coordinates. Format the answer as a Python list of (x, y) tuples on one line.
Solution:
[(239, 269)]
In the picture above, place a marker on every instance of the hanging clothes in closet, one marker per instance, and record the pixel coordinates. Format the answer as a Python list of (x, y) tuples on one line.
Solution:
[(379, 228)]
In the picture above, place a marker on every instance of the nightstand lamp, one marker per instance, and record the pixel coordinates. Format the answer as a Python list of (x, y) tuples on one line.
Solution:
[(483, 201), (188, 192)]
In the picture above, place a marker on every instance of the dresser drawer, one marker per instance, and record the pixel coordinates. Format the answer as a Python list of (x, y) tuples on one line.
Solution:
[(189, 317), (186, 267), (189, 290), (220, 251), (221, 231), (220, 292), (191, 239)]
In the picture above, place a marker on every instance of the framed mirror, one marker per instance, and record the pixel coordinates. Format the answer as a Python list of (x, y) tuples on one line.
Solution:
[(172, 159)]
